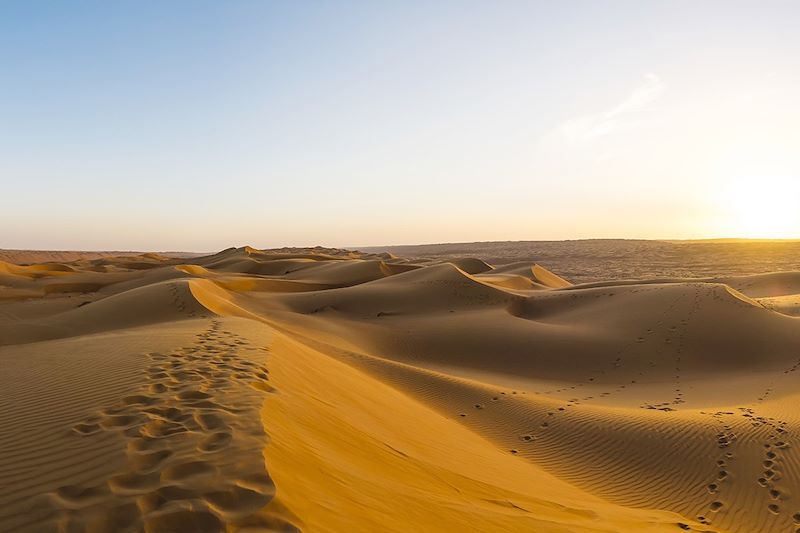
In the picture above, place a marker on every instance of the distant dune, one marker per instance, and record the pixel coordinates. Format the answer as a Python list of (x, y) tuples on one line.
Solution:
[(604, 259), (318, 389), (21, 257)]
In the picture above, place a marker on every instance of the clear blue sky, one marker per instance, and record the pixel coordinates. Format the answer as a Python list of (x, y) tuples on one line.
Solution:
[(200, 125)]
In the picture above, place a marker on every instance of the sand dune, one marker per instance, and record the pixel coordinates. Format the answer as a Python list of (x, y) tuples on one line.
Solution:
[(51, 256), (329, 390), (583, 261)]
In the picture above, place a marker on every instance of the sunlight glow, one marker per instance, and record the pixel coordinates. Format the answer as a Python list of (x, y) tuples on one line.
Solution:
[(759, 193)]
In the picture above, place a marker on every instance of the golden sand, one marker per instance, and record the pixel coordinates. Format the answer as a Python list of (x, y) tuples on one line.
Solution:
[(326, 390)]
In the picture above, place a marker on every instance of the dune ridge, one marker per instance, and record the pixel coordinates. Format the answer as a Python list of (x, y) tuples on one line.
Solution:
[(241, 389)]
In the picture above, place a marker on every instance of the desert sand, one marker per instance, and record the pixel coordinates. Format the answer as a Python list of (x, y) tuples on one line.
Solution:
[(582, 261), (330, 390), (53, 256)]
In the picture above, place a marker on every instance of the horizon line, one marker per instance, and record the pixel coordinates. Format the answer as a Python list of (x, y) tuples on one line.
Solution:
[(358, 247)]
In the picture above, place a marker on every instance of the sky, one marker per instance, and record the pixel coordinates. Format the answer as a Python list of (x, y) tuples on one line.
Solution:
[(198, 125)]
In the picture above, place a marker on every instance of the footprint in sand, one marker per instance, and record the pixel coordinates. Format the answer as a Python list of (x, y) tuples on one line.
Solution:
[(176, 429)]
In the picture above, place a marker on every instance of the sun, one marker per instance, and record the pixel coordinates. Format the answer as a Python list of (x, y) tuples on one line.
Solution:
[(758, 196), (763, 207)]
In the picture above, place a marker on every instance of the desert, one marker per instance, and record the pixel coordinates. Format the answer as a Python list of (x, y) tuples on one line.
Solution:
[(332, 390), (430, 266)]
